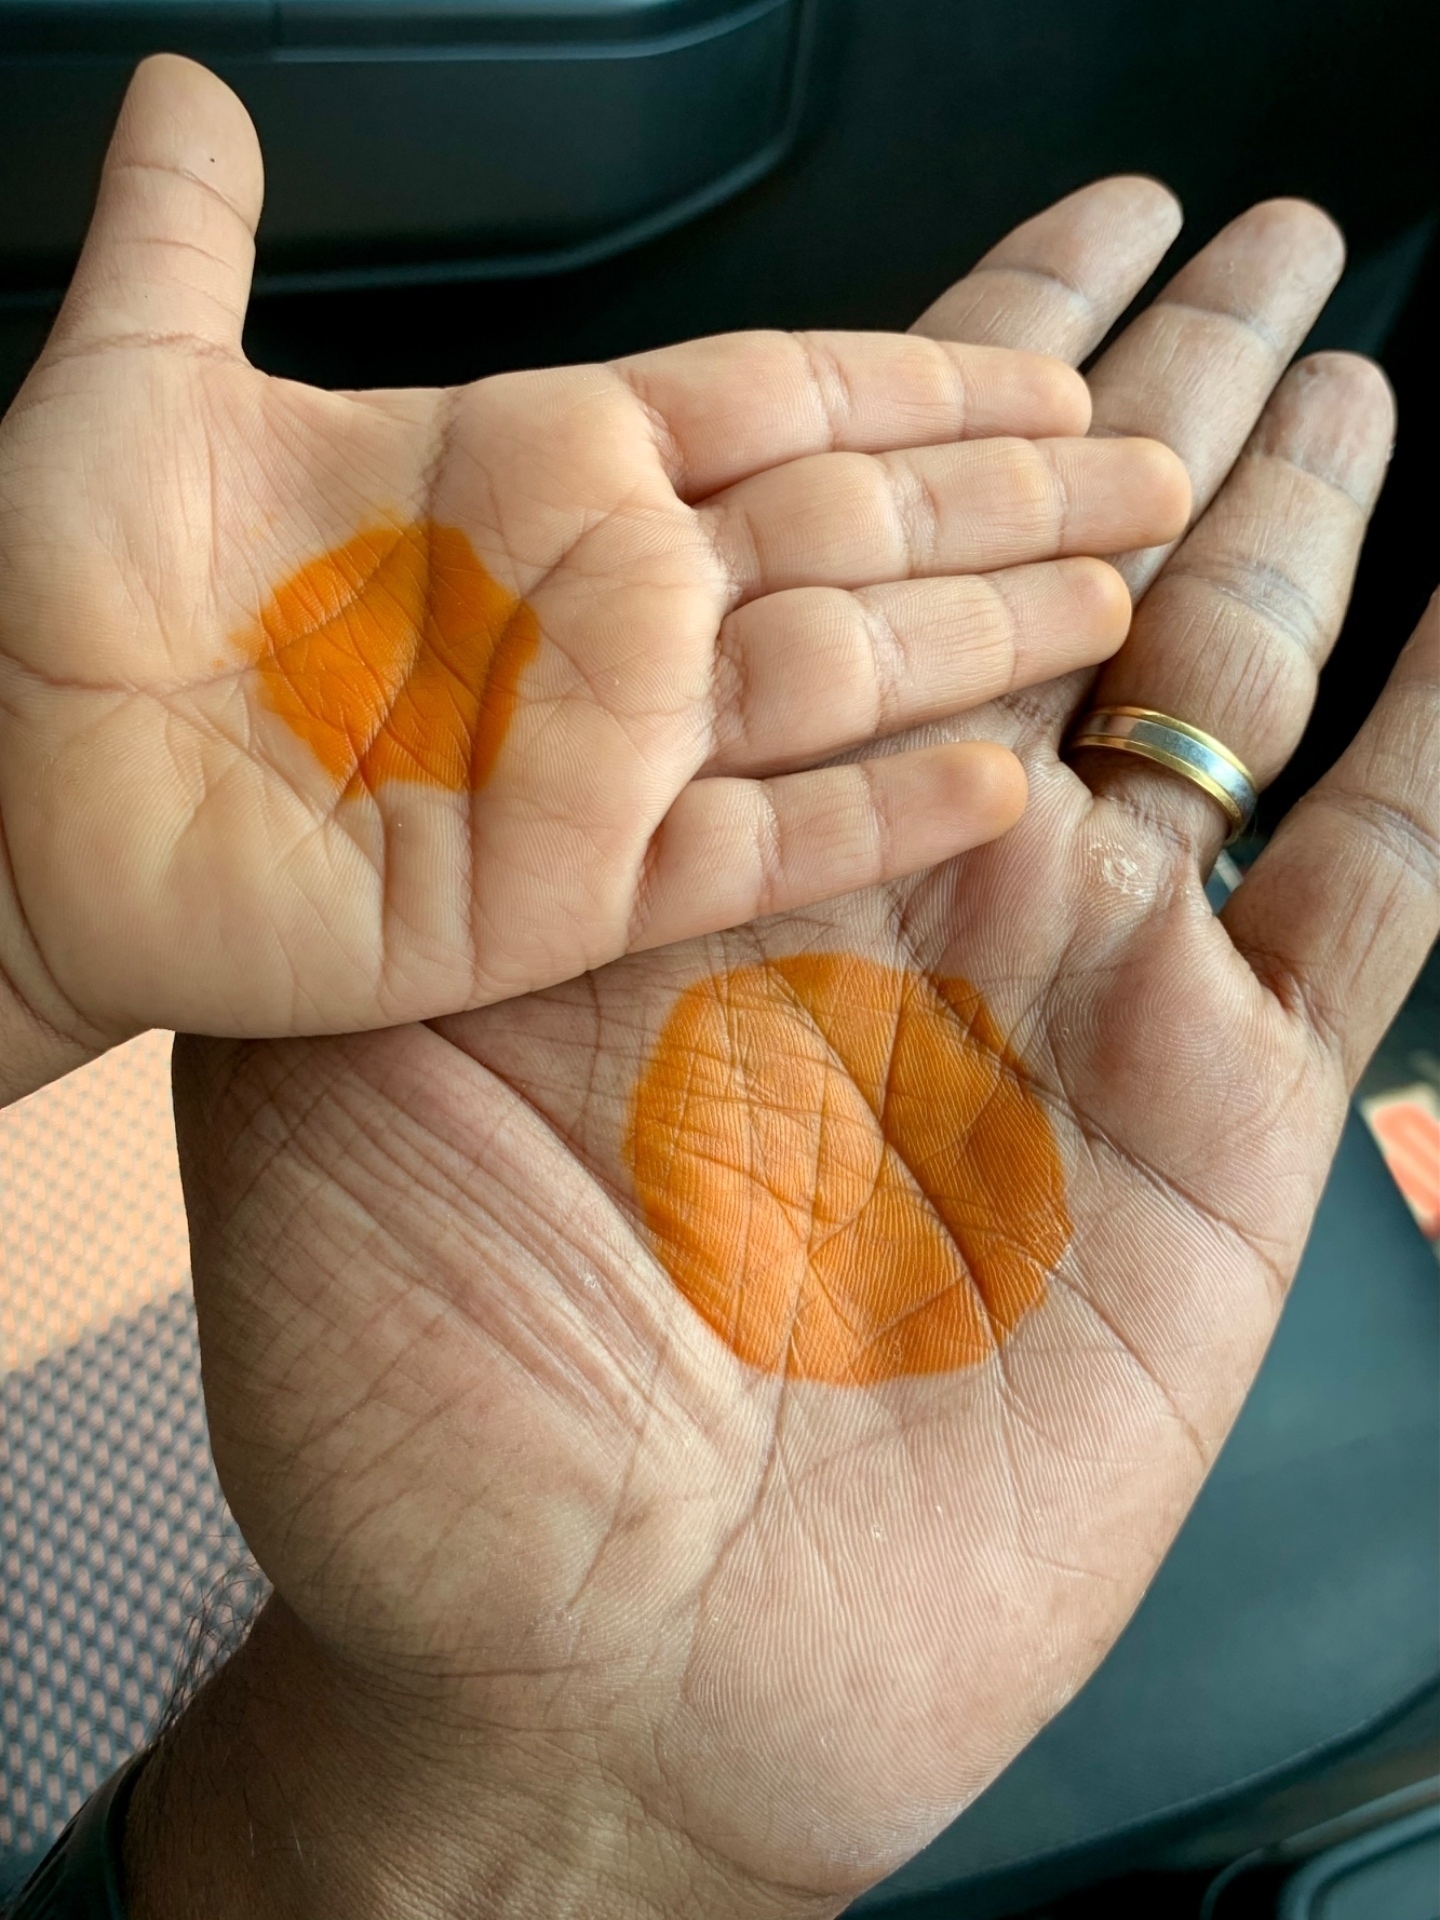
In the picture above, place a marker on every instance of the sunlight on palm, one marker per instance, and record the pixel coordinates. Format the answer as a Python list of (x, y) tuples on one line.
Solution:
[(322, 711)]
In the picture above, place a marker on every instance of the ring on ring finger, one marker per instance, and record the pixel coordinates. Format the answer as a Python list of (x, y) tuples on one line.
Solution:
[(1197, 756)]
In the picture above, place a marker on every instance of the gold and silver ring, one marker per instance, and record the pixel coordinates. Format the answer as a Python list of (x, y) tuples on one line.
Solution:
[(1175, 744)]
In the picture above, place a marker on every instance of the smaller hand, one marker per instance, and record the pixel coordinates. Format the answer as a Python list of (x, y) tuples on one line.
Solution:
[(325, 711)]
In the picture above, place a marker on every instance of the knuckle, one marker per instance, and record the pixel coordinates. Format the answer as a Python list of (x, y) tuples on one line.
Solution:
[(1394, 832), (771, 852), (885, 653), (916, 508), (1262, 597), (877, 818), (732, 696), (1035, 488), (829, 382), (993, 644)]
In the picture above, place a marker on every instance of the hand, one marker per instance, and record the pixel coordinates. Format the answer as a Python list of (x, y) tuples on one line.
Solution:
[(701, 1421), (324, 711)]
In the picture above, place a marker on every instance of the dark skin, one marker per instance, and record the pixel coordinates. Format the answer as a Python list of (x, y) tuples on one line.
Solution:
[(576, 1612)]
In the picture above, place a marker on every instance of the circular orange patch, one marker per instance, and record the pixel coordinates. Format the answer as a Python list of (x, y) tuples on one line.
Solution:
[(845, 1170), (396, 657)]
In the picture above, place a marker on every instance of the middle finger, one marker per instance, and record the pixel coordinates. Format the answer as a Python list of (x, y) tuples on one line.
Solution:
[(1196, 367), (854, 520)]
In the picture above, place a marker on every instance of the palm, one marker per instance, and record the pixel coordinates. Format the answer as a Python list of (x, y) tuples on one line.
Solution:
[(329, 711), (801, 1608)]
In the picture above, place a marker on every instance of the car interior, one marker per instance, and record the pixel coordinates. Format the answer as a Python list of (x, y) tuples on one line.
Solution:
[(456, 187)]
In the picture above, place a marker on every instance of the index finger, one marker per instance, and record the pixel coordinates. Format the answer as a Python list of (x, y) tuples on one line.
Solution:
[(1059, 282), (728, 407)]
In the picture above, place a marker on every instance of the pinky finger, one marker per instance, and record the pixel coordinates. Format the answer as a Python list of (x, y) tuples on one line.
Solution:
[(730, 851), (1338, 913)]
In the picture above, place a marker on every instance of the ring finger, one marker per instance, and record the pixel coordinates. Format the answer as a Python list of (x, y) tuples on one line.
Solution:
[(1231, 636), (809, 672)]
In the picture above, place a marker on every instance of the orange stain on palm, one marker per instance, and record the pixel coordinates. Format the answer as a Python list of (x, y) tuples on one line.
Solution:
[(845, 1170), (396, 657)]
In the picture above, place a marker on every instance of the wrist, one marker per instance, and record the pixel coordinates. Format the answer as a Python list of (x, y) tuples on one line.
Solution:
[(284, 1791)]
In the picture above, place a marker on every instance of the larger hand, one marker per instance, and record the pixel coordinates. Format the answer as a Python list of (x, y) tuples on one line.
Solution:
[(702, 1420)]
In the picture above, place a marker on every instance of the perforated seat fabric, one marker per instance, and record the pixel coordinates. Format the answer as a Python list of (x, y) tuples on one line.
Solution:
[(113, 1529)]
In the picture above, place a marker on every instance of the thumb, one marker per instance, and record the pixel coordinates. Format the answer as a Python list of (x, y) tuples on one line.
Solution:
[(171, 245)]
